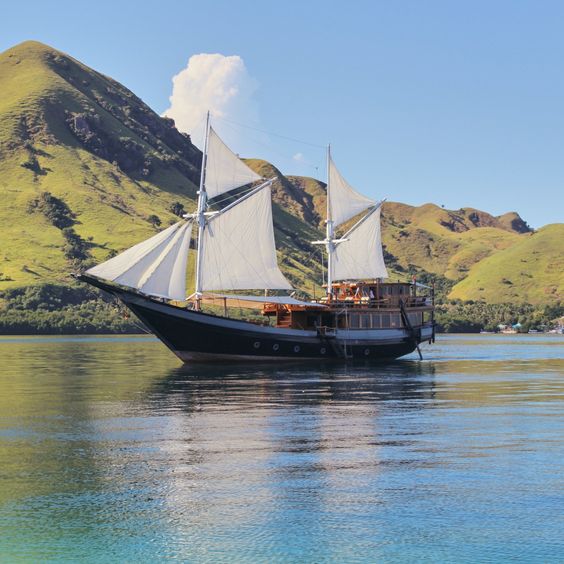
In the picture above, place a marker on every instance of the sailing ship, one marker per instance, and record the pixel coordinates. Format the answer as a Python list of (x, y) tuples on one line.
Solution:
[(360, 316)]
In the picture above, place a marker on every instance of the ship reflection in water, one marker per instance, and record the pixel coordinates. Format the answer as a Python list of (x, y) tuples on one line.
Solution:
[(109, 449)]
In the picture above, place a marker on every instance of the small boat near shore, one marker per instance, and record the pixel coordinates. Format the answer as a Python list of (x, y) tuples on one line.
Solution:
[(361, 314)]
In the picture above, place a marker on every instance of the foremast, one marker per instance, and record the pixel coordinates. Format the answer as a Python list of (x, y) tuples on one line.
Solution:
[(245, 253), (202, 204), (329, 232)]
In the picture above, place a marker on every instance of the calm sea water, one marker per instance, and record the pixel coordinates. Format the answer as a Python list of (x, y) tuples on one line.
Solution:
[(111, 451)]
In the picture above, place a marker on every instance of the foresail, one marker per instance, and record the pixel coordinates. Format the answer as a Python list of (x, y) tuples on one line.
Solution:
[(166, 277), (360, 257), (224, 170), (344, 201), (156, 266), (239, 251)]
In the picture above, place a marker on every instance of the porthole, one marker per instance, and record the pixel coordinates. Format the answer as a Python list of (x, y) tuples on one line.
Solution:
[(256, 344), (297, 348), (366, 352), (322, 350), (275, 347)]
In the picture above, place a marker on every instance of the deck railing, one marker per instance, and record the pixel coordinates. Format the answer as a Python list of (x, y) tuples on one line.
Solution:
[(383, 303)]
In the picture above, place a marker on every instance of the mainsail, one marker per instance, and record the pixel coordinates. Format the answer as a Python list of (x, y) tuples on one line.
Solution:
[(239, 252), (236, 247), (359, 255), (224, 170), (156, 266)]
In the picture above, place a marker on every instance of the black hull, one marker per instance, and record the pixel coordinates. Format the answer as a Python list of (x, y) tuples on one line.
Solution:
[(196, 336)]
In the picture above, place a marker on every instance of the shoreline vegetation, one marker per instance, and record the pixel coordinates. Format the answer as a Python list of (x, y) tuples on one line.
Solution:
[(58, 309)]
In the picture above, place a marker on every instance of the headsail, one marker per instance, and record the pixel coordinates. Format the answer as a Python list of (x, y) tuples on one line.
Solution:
[(239, 251), (156, 266), (344, 201), (359, 256), (224, 170)]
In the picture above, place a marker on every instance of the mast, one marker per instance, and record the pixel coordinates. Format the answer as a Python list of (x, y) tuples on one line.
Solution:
[(202, 204), (329, 244)]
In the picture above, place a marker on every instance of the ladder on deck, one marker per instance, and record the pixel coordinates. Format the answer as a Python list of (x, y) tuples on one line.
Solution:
[(330, 339), (284, 319), (415, 335)]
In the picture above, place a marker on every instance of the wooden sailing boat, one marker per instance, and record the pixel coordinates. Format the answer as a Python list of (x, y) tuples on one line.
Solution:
[(360, 316)]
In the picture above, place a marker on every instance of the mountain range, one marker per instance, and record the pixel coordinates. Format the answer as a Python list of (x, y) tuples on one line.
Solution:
[(87, 169)]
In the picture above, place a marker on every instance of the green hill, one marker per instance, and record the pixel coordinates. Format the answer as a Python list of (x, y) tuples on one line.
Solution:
[(444, 242), (93, 145), (87, 169), (532, 270)]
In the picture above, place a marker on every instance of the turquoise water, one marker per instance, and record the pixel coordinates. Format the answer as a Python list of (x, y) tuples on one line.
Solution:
[(111, 451)]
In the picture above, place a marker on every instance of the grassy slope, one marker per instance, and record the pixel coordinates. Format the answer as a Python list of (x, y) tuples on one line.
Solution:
[(302, 197), (442, 241), (110, 206), (529, 271)]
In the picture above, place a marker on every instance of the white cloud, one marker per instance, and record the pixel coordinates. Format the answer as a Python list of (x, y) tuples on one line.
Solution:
[(299, 157), (216, 83)]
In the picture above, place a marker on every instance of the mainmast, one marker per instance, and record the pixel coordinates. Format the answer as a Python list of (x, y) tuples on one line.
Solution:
[(344, 203), (329, 240), (202, 203)]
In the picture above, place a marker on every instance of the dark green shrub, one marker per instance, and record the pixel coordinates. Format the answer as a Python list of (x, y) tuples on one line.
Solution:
[(53, 208)]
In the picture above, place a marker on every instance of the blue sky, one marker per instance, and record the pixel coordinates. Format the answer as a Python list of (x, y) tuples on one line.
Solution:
[(455, 103)]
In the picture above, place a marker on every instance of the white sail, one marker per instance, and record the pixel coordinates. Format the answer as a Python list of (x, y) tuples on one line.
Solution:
[(166, 277), (360, 256), (156, 266), (344, 201), (224, 169), (239, 252)]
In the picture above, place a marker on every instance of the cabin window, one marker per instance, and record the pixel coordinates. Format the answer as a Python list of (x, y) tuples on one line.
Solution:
[(394, 320), (376, 321), (327, 320), (415, 318), (312, 320), (354, 321), (385, 319), (365, 321)]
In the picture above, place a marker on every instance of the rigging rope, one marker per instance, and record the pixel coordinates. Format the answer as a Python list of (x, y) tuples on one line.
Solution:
[(271, 133)]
